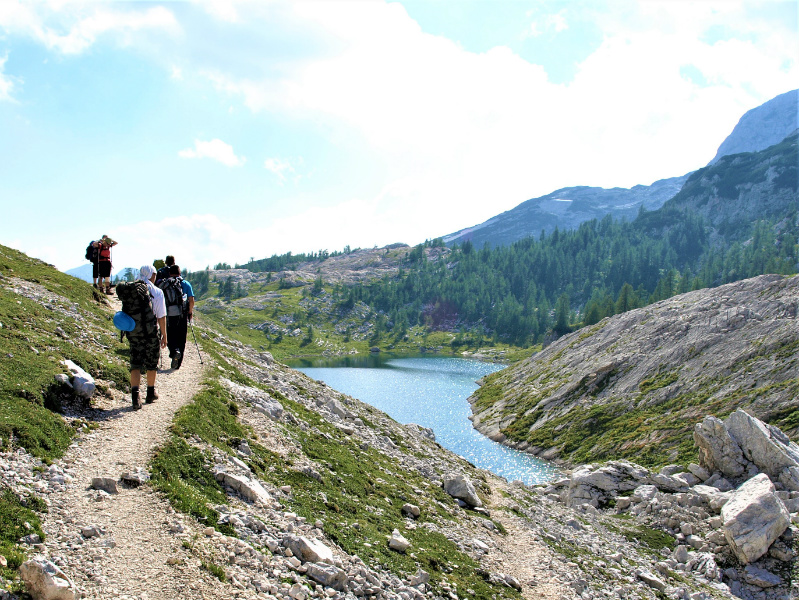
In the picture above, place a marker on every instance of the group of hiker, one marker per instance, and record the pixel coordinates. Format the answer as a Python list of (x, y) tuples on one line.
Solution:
[(157, 309)]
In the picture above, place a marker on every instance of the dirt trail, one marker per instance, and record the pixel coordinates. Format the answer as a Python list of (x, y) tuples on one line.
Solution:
[(130, 559)]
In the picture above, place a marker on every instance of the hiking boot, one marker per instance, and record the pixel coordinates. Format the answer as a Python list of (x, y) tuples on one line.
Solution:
[(151, 395), (108, 291), (177, 359), (97, 287), (134, 395)]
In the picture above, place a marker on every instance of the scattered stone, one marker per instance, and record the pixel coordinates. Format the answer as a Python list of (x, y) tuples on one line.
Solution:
[(45, 581), (136, 477), (308, 550), (82, 382), (760, 577), (398, 542), (247, 488), (411, 510), (106, 484), (327, 575)]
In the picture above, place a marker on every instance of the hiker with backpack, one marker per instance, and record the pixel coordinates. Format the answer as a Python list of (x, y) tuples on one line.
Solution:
[(104, 263), (144, 303), (179, 298), (93, 256), (163, 272)]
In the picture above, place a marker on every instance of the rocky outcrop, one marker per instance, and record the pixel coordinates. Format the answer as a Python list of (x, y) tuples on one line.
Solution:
[(459, 486), (733, 346), (754, 518)]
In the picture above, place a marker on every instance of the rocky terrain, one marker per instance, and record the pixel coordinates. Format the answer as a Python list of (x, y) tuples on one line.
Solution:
[(763, 126), (634, 384)]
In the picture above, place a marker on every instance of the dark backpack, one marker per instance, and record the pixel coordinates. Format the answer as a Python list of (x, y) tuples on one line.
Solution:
[(91, 253), (160, 275), (173, 296), (137, 303)]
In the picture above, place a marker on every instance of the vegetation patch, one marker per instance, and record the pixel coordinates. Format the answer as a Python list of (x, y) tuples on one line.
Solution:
[(16, 521)]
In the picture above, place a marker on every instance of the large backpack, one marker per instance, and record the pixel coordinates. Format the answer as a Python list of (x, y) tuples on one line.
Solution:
[(173, 296), (137, 303), (91, 252)]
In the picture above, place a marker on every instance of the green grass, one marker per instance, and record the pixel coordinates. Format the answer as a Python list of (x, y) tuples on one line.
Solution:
[(357, 486), (13, 517), (214, 570), (32, 351)]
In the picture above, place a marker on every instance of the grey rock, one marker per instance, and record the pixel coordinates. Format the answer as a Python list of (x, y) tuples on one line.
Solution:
[(754, 517), (421, 577), (308, 550), (328, 575), (136, 477), (459, 486), (718, 451), (767, 447), (760, 577), (82, 382), (651, 580), (398, 542), (248, 488), (106, 484), (411, 510), (45, 581)]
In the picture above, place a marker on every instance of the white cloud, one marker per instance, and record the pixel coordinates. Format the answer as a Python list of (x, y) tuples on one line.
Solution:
[(6, 82), (546, 23), (214, 149), (73, 27), (281, 168)]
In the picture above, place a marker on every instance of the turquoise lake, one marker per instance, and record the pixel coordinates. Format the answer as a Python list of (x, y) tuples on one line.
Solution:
[(432, 392)]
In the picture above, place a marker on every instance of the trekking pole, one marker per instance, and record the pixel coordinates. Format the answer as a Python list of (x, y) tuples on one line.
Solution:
[(195, 342)]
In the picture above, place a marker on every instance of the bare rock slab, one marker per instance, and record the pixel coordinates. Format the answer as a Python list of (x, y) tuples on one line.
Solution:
[(247, 488), (754, 517), (45, 581)]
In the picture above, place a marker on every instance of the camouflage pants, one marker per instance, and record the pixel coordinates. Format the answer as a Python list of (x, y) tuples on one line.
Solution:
[(145, 351)]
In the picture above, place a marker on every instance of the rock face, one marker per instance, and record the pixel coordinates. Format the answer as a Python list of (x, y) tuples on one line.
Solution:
[(45, 581), (733, 345), (754, 517), (764, 126), (718, 451)]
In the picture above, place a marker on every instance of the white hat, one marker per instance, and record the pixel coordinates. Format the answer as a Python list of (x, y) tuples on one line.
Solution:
[(146, 272)]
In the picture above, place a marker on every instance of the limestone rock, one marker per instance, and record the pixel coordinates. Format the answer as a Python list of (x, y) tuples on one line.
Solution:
[(327, 575), (45, 581), (459, 486), (760, 577), (308, 550), (246, 487), (82, 382), (718, 451), (754, 517), (767, 447), (136, 477), (398, 542), (411, 510)]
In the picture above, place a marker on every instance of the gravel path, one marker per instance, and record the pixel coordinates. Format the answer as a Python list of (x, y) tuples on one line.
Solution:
[(131, 557)]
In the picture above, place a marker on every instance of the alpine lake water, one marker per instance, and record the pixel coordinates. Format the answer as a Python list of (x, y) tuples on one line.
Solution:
[(432, 392)]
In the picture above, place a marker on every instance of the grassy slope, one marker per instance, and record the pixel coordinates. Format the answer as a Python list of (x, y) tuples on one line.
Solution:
[(55, 317), (336, 331), (358, 485)]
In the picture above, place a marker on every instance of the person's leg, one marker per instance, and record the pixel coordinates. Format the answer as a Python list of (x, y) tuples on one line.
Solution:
[(151, 363), (180, 340), (135, 380)]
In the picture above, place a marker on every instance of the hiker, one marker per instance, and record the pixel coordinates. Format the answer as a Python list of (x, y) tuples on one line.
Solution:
[(104, 263), (163, 272), (145, 304), (93, 256), (179, 297)]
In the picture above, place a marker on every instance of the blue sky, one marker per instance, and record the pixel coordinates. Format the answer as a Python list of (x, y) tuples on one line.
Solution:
[(224, 130)]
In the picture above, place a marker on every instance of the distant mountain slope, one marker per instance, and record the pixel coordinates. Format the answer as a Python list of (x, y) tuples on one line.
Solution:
[(764, 126), (566, 208), (634, 384), (743, 187)]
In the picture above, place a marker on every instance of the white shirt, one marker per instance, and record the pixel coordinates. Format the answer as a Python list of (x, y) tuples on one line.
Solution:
[(159, 303)]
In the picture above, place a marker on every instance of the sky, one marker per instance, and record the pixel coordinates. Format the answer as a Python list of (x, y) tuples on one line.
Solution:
[(224, 130)]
